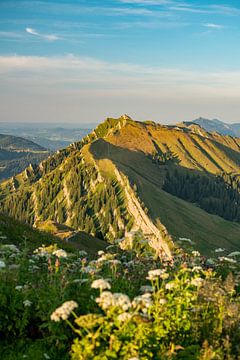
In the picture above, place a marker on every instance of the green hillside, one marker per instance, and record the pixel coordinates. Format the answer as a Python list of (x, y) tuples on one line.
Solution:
[(112, 182), (15, 143), (17, 153)]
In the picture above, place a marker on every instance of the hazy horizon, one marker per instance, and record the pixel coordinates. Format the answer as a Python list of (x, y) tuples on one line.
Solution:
[(82, 61)]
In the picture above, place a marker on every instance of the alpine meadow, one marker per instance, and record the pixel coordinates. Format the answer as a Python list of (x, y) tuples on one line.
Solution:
[(119, 238)]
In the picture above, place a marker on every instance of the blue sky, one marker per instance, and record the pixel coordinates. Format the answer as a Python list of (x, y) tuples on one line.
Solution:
[(79, 61)]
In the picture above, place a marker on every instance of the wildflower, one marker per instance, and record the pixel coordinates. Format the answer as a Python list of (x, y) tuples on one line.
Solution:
[(10, 247), (223, 258), (146, 288), (154, 274), (64, 311), (89, 270), (134, 358), (197, 268), (170, 286), (107, 300), (197, 282), (18, 287), (124, 317), (219, 250), (82, 253), (114, 262), (27, 303), (46, 356), (100, 253), (143, 302), (162, 301), (2, 264), (60, 253), (122, 301), (187, 240), (196, 253), (235, 253), (101, 284)]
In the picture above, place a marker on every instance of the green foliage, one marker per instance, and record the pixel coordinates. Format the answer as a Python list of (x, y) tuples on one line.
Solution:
[(218, 195)]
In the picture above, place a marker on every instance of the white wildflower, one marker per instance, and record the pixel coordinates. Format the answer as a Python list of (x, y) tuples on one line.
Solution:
[(10, 247), (170, 286), (143, 302), (196, 253), (46, 356), (219, 250), (154, 274), (101, 284), (162, 301), (187, 240), (122, 301), (197, 269), (229, 260), (107, 300), (124, 317), (197, 282), (2, 264), (235, 253), (60, 253), (114, 262), (64, 311), (134, 358), (27, 303), (18, 287), (101, 252)]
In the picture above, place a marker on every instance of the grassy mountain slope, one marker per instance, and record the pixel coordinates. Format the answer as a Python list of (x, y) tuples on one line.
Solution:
[(15, 143), (110, 183)]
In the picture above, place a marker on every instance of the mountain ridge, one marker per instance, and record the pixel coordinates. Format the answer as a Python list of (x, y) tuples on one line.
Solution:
[(84, 186)]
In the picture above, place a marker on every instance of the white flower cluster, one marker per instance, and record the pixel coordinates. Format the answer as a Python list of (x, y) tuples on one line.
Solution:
[(229, 260), (83, 253), (64, 311), (2, 264), (235, 253), (60, 253), (196, 253), (124, 317), (218, 250), (197, 282), (143, 302), (154, 274), (27, 303), (187, 240), (107, 300), (9, 247), (101, 284)]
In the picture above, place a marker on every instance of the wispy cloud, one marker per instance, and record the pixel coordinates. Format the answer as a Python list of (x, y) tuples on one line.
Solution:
[(213, 26), (49, 37)]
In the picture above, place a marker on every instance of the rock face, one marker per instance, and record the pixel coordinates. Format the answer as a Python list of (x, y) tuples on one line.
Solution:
[(126, 117)]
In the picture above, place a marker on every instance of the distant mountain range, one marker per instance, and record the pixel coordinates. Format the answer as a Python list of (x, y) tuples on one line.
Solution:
[(17, 153), (169, 182), (217, 125), (50, 136)]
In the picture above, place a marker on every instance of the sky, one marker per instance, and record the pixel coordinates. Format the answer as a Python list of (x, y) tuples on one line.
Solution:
[(84, 60)]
